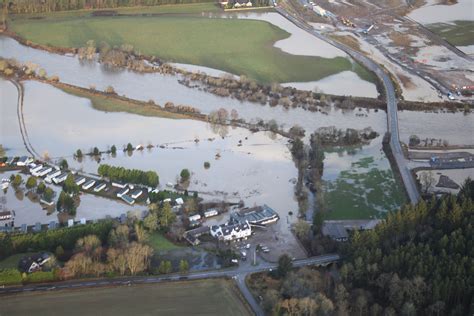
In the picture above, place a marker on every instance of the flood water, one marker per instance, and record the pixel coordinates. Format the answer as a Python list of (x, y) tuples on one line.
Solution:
[(162, 89), (436, 13), (30, 212), (259, 171), (457, 128)]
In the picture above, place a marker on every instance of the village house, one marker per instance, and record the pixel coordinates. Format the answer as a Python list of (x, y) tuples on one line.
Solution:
[(229, 232), (34, 262), (7, 218)]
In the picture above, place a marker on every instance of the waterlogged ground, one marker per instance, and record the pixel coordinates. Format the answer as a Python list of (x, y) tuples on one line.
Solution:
[(359, 184)]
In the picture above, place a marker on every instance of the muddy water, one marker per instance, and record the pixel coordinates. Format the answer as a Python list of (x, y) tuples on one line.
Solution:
[(456, 128), (435, 13), (30, 212), (259, 171)]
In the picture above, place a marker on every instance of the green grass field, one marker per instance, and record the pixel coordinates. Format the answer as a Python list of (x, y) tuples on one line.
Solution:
[(460, 33), (237, 46), (159, 243), (204, 297), (113, 104), (192, 8)]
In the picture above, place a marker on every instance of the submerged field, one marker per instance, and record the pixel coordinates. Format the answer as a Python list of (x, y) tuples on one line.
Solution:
[(359, 185), (458, 33), (205, 297), (233, 45)]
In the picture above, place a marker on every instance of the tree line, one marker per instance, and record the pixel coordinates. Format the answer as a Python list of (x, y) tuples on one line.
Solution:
[(418, 261), (149, 178), (38, 6), (49, 240)]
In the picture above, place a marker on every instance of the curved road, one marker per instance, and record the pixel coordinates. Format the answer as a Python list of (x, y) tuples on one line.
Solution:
[(238, 274), (392, 107)]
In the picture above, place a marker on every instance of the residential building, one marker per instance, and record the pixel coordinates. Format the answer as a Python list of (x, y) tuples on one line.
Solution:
[(229, 232), (79, 180), (136, 193), (100, 187), (194, 217), (34, 262), (7, 218), (211, 212)]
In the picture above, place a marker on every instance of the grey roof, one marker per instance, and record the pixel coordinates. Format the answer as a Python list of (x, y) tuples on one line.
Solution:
[(336, 231), (256, 214)]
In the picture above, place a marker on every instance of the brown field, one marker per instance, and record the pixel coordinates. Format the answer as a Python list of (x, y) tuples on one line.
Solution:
[(204, 297)]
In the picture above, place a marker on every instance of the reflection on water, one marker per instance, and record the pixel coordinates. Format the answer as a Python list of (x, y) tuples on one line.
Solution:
[(166, 88), (254, 167)]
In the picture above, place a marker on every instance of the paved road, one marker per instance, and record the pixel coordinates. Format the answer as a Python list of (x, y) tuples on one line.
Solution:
[(392, 107), (238, 274)]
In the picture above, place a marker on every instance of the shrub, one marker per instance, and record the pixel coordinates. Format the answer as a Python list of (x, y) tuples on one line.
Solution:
[(10, 277)]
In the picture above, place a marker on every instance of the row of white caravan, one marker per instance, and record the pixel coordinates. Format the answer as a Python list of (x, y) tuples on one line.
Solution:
[(57, 176)]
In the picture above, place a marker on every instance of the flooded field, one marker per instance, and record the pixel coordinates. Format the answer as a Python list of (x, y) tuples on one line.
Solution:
[(359, 184), (343, 83), (434, 13), (209, 297), (162, 89), (456, 128)]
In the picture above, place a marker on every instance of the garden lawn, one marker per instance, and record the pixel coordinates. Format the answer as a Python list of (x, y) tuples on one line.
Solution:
[(242, 47), (159, 242), (12, 261)]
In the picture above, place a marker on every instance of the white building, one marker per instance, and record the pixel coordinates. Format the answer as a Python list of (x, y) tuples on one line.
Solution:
[(231, 232), (210, 213)]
